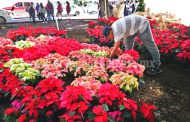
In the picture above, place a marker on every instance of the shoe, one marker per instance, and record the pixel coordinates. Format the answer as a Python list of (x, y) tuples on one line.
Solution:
[(154, 70)]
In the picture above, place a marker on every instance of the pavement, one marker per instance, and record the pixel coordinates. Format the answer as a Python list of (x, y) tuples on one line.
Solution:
[(64, 17)]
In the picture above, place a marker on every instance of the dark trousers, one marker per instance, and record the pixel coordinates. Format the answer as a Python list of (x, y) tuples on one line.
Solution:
[(32, 15), (42, 17), (148, 40)]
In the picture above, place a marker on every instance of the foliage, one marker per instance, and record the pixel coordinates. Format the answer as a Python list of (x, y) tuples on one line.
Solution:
[(141, 6), (172, 42), (24, 44), (62, 78), (22, 70), (22, 32)]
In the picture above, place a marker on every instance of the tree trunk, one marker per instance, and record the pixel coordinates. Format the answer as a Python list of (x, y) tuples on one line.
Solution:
[(102, 8), (118, 9)]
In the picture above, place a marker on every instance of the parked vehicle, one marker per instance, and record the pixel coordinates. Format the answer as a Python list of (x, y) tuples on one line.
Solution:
[(91, 8), (5, 16), (75, 10), (17, 12)]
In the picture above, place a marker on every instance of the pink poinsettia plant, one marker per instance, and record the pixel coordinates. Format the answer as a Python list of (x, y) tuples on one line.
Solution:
[(135, 69), (89, 82), (5, 41), (98, 73), (52, 65)]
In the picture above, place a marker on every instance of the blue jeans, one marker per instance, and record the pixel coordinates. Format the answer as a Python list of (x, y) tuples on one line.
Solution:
[(49, 15), (148, 40), (32, 15)]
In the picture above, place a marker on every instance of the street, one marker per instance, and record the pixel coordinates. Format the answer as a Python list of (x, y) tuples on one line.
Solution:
[(81, 16)]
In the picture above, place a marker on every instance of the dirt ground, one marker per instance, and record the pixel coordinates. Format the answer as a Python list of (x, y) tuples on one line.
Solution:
[(169, 91)]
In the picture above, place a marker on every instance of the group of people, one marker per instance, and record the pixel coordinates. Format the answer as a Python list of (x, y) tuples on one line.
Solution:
[(41, 11), (130, 7)]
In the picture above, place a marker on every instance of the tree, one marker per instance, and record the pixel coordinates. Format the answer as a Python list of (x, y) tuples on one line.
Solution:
[(102, 8), (76, 1), (141, 6)]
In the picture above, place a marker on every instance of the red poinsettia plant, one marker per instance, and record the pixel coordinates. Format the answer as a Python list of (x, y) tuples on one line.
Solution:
[(109, 105), (23, 32), (169, 41), (44, 97)]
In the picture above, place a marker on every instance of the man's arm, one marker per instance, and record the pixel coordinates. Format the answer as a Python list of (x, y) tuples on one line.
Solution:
[(115, 48)]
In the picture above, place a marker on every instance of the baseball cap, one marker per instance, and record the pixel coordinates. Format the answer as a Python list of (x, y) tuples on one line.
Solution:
[(106, 30)]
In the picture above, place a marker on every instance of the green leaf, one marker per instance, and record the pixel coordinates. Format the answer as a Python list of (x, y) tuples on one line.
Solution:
[(141, 81), (178, 50), (1, 70), (41, 111), (72, 113), (127, 114), (121, 107), (105, 107), (111, 119), (91, 116), (81, 97), (6, 94), (9, 51)]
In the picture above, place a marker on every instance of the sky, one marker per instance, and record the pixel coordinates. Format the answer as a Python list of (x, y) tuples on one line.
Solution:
[(178, 7)]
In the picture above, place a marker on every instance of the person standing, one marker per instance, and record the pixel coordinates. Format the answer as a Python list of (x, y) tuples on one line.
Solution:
[(130, 7), (126, 29), (59, 9), (99, 11), (32, 12), (27, 10), (136, 5), (37, 10), (42, 12), (68, 9), (126, 9), (111, 9), (133, 7), (50, 11)]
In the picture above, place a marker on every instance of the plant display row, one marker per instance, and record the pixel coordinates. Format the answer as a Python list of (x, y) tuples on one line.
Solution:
[(23, 32), (172, 42), (47, 78)]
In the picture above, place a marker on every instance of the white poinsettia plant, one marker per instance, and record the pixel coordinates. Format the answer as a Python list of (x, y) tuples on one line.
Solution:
[(24, 44), (23, 70)]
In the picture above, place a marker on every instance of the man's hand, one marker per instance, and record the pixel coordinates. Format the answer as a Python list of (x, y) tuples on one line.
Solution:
[(115, 49), (119, 52), (111, 55)]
